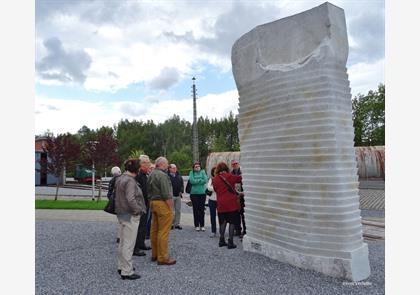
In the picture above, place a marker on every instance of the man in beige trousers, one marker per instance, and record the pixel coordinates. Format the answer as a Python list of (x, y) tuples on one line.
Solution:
[(159, 188), (129, 206)]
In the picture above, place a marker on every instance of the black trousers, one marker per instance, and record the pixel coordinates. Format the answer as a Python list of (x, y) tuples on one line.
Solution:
[(213, 213), (198, 202), (241, 229), (141, 233)]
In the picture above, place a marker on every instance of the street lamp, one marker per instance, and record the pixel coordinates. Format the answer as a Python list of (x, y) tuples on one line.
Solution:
[(92, 145)]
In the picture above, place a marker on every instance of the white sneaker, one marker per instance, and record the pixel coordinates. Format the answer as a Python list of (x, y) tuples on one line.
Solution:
[(197, 229), (203, 229)]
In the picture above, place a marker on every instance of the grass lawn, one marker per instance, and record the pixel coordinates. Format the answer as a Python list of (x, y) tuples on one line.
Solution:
[(71, 204)]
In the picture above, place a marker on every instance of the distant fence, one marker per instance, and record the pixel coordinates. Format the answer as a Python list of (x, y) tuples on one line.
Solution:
[(370, 160)]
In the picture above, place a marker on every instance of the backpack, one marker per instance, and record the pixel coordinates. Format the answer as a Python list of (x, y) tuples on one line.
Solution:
[(110, 206)]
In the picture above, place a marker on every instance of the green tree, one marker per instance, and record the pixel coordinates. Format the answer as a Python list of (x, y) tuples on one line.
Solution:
[(174, 135), (135, 154), (172, 138), (204, 126), (136, 135), (369, 118), (182, 159)]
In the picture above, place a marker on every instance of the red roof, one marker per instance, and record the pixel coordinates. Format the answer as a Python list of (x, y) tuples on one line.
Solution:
[(39, 143)]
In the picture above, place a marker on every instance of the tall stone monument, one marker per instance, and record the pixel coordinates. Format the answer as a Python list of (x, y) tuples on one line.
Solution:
[(296, 136)]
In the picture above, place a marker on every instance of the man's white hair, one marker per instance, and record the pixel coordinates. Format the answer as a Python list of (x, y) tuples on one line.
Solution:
[(144, 159), (159, 161), (115, 171), (172, 166)]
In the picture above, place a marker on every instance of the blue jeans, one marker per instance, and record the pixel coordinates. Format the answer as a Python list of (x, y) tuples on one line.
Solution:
[(212, 207)]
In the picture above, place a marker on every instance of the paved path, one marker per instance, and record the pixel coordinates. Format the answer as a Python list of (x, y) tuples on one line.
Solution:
[(79, 257), (369, 198), (372, 199)]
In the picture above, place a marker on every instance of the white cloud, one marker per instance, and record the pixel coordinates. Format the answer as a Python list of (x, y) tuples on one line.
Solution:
[(366, 76), (131, 108), (71, 115), (127, 39), (62, 65), (130, 42), (166, 78), (132, 39), (61, 116), (138, 62)]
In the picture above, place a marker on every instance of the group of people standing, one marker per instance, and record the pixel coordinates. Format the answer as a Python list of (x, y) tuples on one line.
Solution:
[(141, 195), (149, 201), (231, 197), (227, 187)]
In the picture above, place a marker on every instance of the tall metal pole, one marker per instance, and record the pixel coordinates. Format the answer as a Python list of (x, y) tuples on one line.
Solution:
[(92, 147), (93, 180), (196, 156)]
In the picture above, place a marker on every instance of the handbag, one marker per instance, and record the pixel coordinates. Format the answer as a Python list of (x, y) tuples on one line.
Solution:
[(110, 206), (208, 192), (188, 187)]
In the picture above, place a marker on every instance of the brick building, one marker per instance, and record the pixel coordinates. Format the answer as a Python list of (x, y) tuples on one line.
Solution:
[(42, 178)]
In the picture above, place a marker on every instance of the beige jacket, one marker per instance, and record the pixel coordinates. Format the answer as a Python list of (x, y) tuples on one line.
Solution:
[(128, 196)]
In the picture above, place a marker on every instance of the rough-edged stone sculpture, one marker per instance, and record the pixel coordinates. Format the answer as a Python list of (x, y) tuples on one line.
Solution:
[(296, 138)]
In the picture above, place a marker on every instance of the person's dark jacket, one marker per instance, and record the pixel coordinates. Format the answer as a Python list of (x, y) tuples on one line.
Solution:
[(111, 188), (239, 188), (236, 171), (177, 184), (141, 179)]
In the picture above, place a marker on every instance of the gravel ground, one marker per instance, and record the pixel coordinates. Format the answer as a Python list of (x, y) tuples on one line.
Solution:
[(75, 257)]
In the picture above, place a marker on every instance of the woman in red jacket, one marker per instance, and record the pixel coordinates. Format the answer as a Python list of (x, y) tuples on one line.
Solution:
[(227, 202)]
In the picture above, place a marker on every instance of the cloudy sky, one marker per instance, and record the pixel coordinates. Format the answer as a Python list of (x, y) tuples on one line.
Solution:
[(101, 61)]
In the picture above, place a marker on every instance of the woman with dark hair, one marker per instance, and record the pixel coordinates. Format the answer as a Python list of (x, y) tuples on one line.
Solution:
[(129, 206), (212, 202), (198, 180), (227, 202)]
